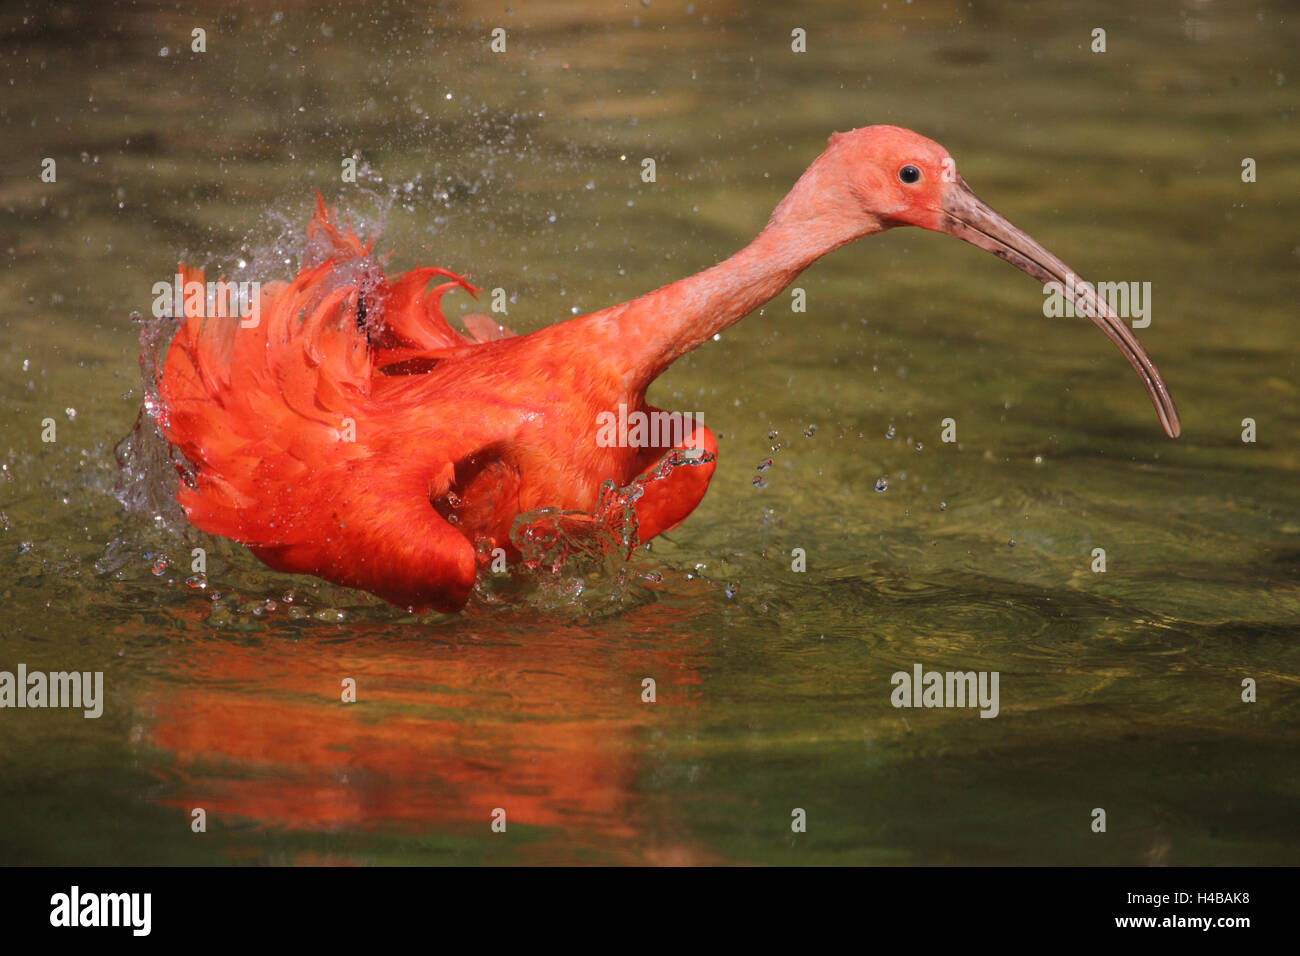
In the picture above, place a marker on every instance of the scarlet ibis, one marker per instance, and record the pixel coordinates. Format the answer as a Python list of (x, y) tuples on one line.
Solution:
[(352, 434)]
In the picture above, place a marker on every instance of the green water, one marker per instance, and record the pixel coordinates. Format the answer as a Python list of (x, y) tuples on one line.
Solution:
[(1119, 690)]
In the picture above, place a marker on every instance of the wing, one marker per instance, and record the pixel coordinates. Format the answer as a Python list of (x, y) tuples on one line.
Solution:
[(290, 453)]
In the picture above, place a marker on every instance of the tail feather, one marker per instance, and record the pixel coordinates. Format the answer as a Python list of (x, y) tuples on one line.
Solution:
[(413, 317), (260, 411), (328, 242)]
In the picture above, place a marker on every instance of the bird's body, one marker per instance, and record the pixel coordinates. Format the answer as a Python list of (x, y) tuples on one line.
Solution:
[(354, 435), (400, 482)]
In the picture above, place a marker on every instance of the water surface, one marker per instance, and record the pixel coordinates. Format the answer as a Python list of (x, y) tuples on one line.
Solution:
[(1119, 690)]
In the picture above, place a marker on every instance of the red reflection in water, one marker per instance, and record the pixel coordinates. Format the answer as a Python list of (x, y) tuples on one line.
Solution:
[(549, 726)]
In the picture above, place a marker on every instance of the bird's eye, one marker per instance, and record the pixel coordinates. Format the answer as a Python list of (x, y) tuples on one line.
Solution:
[(909, 174)]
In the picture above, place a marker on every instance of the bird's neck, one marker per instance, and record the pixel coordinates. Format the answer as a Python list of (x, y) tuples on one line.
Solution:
[(643, 337)]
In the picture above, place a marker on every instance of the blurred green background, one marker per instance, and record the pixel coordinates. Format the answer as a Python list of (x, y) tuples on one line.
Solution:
[(1119, 690)]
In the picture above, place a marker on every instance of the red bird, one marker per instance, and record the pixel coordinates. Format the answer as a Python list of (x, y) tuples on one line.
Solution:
[(352, 434)]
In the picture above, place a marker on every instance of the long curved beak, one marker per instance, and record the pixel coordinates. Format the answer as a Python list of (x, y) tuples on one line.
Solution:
[(966, 217)]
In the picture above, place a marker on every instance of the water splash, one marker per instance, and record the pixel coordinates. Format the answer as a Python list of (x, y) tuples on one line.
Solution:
[(567, 554), (148, 464)]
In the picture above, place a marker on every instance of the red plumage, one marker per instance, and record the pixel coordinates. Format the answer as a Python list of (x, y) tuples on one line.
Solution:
[(264, 415)]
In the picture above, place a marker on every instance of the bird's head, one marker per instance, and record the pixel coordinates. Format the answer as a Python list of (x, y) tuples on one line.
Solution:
[(895, 177)]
